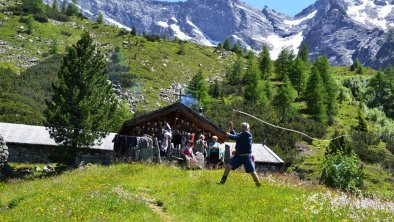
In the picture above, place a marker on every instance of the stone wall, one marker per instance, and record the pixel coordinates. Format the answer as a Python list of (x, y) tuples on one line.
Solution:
[(27, 153), (265, 167)]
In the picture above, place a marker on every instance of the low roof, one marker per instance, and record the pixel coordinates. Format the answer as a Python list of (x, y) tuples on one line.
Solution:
[(177, 110), (39, 135), (262, 153)]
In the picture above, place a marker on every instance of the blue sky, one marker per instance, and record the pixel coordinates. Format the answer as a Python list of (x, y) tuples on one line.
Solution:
[(288, 7)]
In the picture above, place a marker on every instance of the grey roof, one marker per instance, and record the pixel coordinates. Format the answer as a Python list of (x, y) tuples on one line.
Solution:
[(39, 135), (262, 153)]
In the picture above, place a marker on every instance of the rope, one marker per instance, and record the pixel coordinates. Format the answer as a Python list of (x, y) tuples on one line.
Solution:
[(286, 129)]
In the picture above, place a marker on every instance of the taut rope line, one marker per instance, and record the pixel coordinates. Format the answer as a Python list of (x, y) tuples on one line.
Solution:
[(286, 129)]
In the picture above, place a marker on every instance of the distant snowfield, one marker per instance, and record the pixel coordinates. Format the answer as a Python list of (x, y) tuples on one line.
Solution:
[(118, 24), (301, 20), (279, 43), (359, 13)]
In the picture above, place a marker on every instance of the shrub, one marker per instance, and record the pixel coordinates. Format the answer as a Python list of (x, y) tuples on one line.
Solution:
[(41, 18), (343, 172)]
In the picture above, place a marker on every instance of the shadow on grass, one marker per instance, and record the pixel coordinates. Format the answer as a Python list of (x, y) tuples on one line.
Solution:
[(24, 172)]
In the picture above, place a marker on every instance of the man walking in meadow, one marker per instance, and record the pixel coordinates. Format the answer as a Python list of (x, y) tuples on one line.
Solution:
[(243, 155)]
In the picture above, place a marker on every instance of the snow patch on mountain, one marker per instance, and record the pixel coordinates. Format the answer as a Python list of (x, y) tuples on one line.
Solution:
[(202, 38), (162, 24), (301, 20), (278, 43), (118, 24), (370, 14), (179, 34)]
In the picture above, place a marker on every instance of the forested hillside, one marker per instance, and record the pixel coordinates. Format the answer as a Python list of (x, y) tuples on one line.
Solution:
[(146, 70)]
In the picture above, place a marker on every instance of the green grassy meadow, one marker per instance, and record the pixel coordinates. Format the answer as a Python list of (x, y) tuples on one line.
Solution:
[(139, 192)]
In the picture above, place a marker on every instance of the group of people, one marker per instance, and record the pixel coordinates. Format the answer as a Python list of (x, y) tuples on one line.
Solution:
[(200, 148), (194, 152)]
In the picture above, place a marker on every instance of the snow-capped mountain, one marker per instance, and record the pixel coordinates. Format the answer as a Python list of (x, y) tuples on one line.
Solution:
[(340, 29)]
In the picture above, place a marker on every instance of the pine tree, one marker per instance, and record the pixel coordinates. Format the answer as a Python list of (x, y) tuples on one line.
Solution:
[(117, 55), (100, 18), (237, 49), (83, 102), (182, 49), (283, 64), (54, 49), (298, 75), (72, 9), (266, 65), (314, 96), (339, 146), (34, 6), (378, 90), (133, 31), (55, 5), (268, 89), (64, 7), (227, 44), (219, 46), (217, 90), (331, 93), (236, 72), (362, 123), (30, 25), (303, 53), (285, 98), (356, 66), (254, 88), (198, 88)]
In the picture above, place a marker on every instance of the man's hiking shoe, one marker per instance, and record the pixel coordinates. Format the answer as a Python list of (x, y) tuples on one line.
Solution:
[(258, 184)]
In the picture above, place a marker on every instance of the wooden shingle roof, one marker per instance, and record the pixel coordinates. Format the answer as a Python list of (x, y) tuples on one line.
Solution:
[(172, 114)]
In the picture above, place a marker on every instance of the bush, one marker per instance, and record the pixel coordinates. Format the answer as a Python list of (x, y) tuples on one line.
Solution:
[(123, 32), (152, 37), (65, 33), (343, 172), (41, 18)]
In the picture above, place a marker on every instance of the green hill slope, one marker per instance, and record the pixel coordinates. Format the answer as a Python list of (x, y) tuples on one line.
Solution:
[(161, 193)]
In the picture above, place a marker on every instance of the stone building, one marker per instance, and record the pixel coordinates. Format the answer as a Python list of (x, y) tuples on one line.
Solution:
[(33, 144)]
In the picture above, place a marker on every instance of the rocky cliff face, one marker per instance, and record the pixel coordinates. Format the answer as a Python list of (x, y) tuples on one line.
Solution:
[(341, 29)]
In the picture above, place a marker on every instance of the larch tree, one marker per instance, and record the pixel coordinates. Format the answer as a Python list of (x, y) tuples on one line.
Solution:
[(236, 72), (198, 87), (100, 18), (34, 6), (303, 53), (55, 5), (266, 64), (83, 102), (315, 96), (72, 9), (331, 92), (227, 44), (254, 87), (63, 8), (283, 63), (298, 75), (285, 98)]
